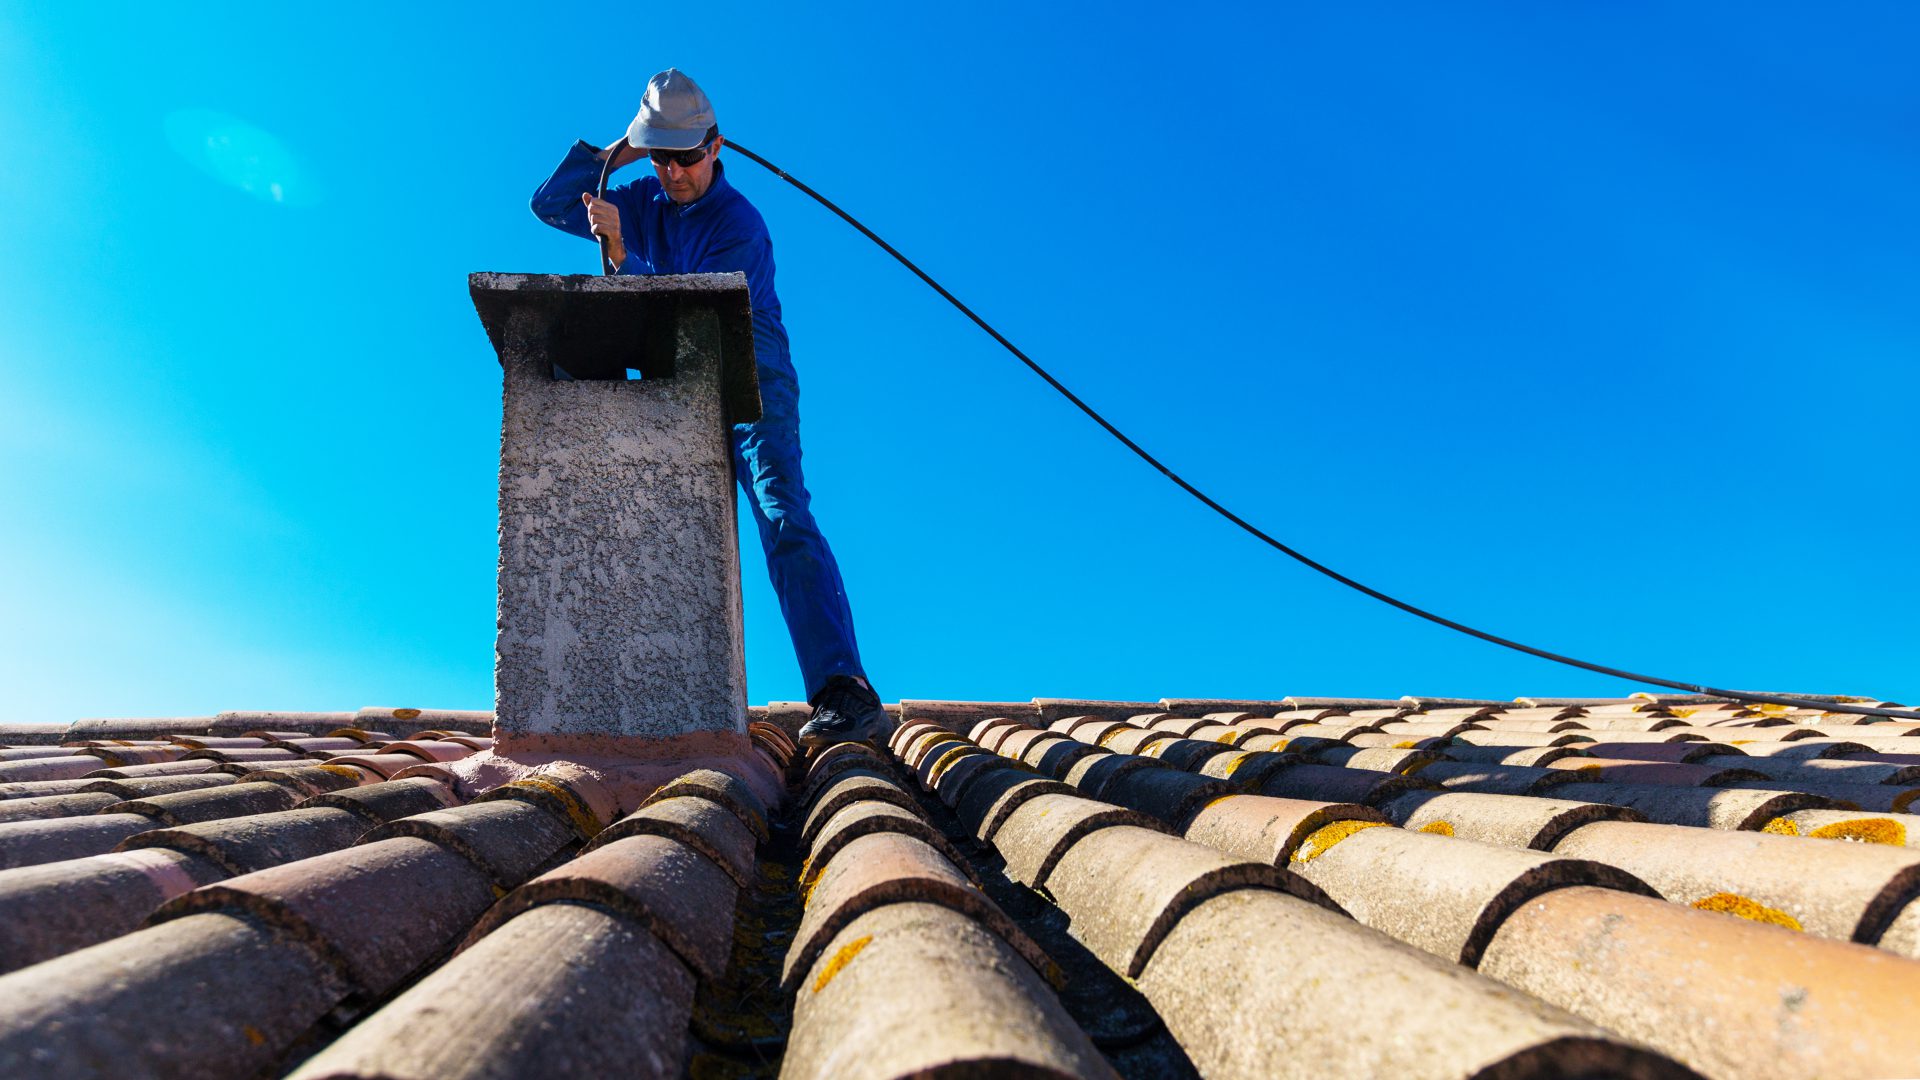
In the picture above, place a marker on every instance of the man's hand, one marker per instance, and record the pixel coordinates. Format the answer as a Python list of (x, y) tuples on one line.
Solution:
[(605, 222)]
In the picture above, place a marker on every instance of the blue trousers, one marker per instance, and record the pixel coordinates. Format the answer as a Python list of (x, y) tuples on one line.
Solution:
[(766, 461)]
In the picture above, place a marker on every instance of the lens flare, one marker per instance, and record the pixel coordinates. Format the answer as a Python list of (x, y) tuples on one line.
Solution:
[(236, 153)]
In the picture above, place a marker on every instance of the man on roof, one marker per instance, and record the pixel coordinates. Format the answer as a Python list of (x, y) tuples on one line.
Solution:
[(686, 219)]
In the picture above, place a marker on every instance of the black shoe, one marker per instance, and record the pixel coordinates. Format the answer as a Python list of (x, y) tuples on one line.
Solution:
[(845, 711)]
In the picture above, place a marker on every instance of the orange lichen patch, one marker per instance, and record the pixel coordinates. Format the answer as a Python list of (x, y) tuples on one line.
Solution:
[(1682, 712), (1442, 827), (1734, 904), (1866, 830), (342, 770), (253, 1034), (406, 714), (1322, 840), (840, 959), (1406, 744)]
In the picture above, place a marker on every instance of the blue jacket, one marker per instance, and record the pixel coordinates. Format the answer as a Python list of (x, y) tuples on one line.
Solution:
[(717, 233)]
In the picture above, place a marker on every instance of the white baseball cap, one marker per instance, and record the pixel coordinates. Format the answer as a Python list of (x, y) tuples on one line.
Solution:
[(674, 115)]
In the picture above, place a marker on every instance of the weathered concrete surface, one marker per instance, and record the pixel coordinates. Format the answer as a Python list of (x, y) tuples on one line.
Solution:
[(619, 606)]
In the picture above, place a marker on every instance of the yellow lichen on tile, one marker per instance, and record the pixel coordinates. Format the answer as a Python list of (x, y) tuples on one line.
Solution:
[(1781, 826), (1747, 908), (940, 767), (1407, 744), (583, 819), (1866, 831), (1325, 838), (840, 959), (1442, 827)]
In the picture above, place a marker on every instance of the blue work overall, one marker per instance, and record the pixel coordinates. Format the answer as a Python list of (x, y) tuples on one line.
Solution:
[(721, 232)]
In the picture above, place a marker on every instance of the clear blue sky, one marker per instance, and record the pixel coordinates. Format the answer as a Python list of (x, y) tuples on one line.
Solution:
[(1592, 324)]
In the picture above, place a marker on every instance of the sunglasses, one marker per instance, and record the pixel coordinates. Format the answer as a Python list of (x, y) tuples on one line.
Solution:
[(686, 159)]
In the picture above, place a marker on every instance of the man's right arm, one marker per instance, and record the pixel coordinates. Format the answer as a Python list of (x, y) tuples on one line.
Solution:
[(558, 202)]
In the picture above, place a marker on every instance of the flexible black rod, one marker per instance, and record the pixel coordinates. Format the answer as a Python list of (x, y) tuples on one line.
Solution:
[(1184, 485), (606, 169)]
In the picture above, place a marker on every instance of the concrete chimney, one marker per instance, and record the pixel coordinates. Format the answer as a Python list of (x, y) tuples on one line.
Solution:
[(619, 606)]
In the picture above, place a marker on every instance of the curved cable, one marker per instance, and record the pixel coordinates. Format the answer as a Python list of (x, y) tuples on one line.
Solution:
[(1258, 534), (607, 269)]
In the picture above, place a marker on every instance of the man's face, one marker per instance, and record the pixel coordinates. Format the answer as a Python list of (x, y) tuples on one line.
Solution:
[(685, 183)]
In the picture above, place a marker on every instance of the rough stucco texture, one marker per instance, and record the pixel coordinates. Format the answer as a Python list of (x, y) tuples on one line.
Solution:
[(619, 566)]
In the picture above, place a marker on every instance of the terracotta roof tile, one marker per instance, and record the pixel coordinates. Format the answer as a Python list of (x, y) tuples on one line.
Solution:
[(890, 868), (383, 763), (233, 994), (56, 908), (1330, 783), (377, 911), (1091, 773), (1856, 826), (1521, 821), (1125, 887), (1895, 798), (144, 786), (1016, 744), (30, 843), (1495, 779), (727, 790), (916, 989), (1614, 771), (56, 806), (1189, 754), (388, 800), (1036, 835), (506, 839), (1205, 706), (952, 782), (702, 824), (1065, 845), (1051, 709), (1184, 724), (1727, 996), (1283, 957), (1714, 808), (1246, 769), (626, 1000), (183, 767), (48, 768), (206, 804), (576, 796), (241, 845), (993, 737), (1267, 829), (844, 789), (1849, 892), (1166, 794), (678, 894), (963, 715), (1442, 894), (1847, 770)]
